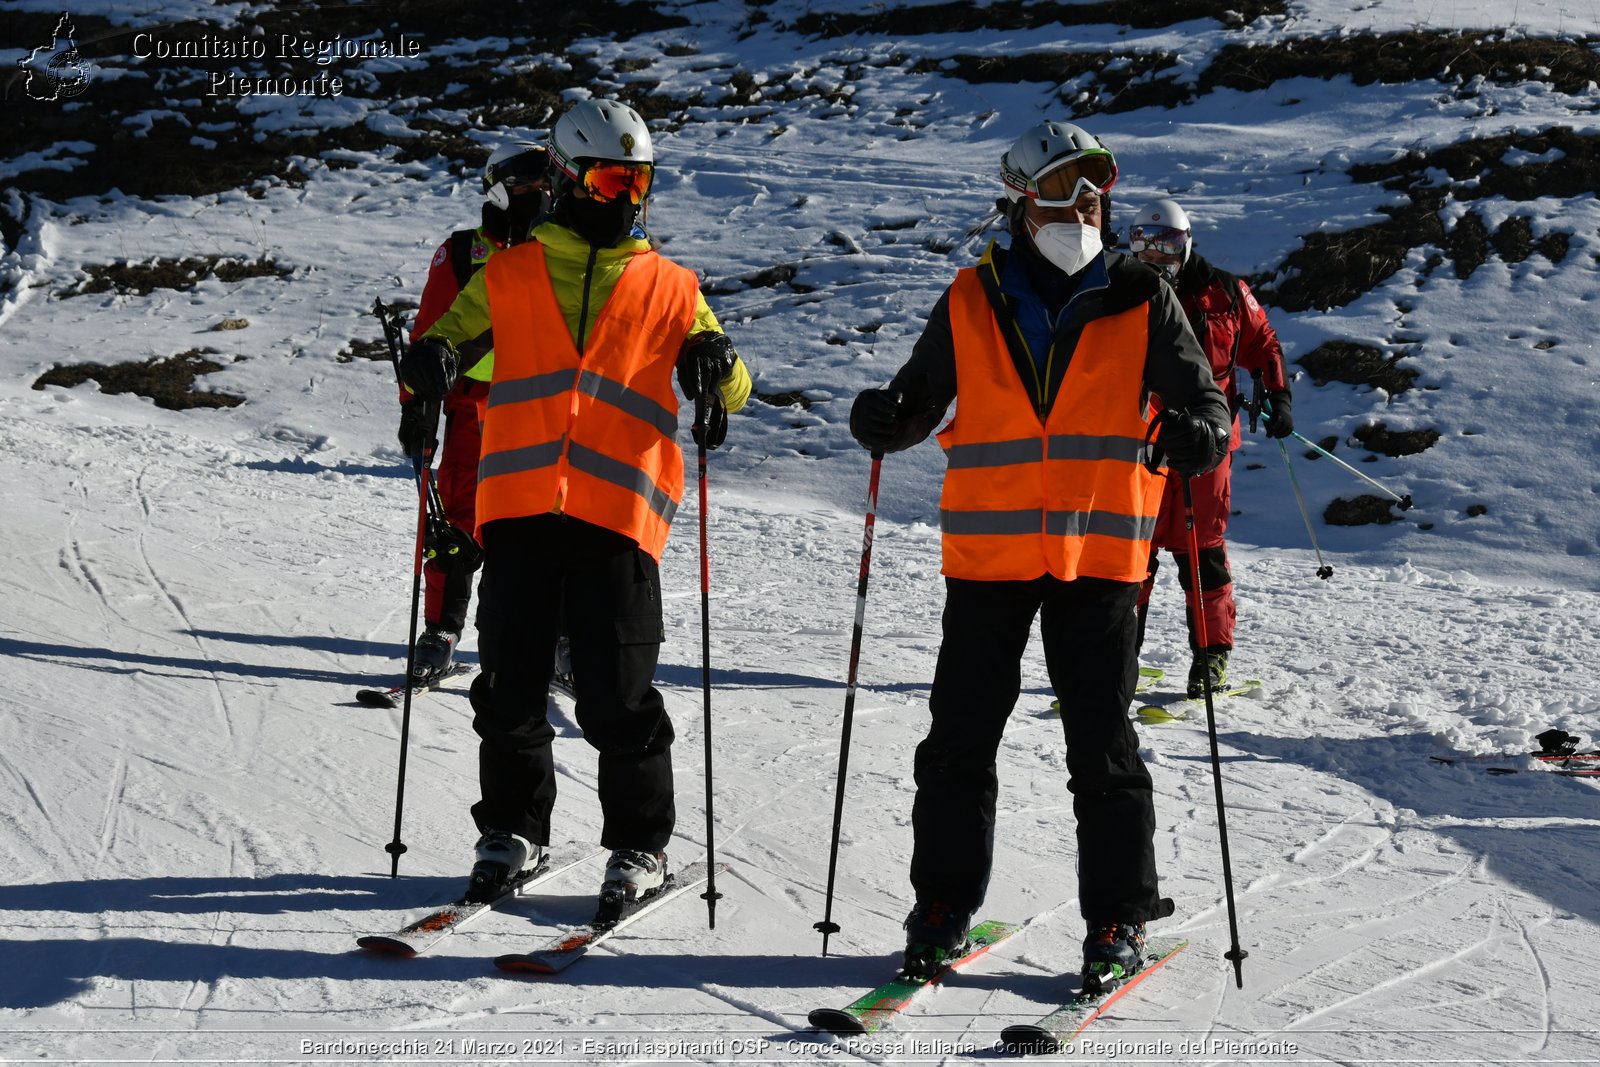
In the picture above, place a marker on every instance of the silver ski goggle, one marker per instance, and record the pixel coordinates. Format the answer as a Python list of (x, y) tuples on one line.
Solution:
[(1064, 180)]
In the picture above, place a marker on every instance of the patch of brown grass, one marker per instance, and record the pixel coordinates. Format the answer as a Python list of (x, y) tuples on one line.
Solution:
[(169, 381)]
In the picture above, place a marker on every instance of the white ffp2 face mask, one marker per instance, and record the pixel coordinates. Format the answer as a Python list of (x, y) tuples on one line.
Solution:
[(1068, 245)]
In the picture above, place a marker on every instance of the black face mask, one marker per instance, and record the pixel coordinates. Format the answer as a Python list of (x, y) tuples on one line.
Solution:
[(527, 210), (601, 224)]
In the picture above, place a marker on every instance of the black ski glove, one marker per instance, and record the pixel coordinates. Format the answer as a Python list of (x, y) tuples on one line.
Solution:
[(430, 368), (715, 430), (704, 361), (413, 431), (1192, 444), (1280, 421), (875, 419)]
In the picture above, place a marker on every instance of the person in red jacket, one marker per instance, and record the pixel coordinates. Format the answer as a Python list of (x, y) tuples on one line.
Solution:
[(1235, 333), (516, 190)]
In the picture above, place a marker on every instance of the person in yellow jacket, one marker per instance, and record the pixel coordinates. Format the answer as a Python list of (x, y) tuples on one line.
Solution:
[(1050, 349), (579, 478)]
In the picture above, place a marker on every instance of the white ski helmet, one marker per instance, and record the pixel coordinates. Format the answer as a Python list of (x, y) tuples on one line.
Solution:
[(519, 163), (1162, 226), (599, 130), (1054, 163)]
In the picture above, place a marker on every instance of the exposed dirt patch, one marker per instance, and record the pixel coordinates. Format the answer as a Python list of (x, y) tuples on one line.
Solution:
[(363, 348), (1331, 269), (1379, 438), (1362, 511), (169, 382), (1568, 65), (1356, 364), (180, 274), (783, 274), (1107, 82), (157, 157), (1092, 82), (963, 17), (784, 400)]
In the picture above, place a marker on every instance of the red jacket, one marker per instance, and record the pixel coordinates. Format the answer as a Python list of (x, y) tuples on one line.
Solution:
[(1233, 329)]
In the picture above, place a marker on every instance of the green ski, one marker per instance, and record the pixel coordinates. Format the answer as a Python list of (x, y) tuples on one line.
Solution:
[(872, 1011)]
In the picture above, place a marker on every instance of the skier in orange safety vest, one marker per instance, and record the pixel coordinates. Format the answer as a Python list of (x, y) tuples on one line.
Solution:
[(1050, 350), (579, 479)]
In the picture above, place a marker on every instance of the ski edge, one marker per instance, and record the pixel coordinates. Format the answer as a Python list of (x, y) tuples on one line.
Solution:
[(1559, 766), (398, 945), (1179, 710), (555, 956), (1049, 1033), (873, 1009), (385, 698)]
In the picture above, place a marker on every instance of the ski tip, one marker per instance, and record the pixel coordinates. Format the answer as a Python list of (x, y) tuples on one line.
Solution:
[(836, 1021), (1155, 715), (372, 698), (386, 946), (1026, 1039)]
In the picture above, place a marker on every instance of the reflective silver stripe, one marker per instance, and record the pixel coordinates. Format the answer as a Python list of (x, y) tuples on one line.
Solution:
[(1101, 524), (537, 387), (1026, 521), (1053, 523), (628, 400), (516, 460), (618, 473), (993, 453), (1057, 446), (1083, 446)]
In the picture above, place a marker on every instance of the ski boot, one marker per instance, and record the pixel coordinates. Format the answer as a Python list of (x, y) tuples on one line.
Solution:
[(631, 875), (561, 680), (1213, 661), (1112, 952), (1557, 743), (503, 858), (434, 654), (936, 933)]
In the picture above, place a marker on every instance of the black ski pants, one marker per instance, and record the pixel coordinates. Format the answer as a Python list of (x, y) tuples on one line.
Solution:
[(1089, 633), (539, 570)]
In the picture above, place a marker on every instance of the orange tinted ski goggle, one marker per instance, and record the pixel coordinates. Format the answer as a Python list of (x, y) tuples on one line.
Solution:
[(613, 181)]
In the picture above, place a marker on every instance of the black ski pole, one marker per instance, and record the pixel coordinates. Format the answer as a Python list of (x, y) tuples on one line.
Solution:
[(424, 464), (827, 925), (1234, 953), (1324, 571), (710, 896)]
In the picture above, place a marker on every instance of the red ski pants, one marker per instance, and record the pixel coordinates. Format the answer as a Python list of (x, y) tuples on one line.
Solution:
[(1213, 497), (449, 585)]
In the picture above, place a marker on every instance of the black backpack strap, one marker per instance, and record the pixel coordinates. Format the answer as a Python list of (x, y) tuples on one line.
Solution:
[(461, 243)]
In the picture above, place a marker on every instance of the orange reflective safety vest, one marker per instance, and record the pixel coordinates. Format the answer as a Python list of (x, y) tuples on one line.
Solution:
[(1068, 496), (594, 433)]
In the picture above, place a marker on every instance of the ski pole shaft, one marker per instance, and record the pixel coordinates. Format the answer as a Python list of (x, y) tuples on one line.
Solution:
[(1234, 953), (397, 847), (827, 926), (1323, 570), (1403, 501), (710, 896)]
